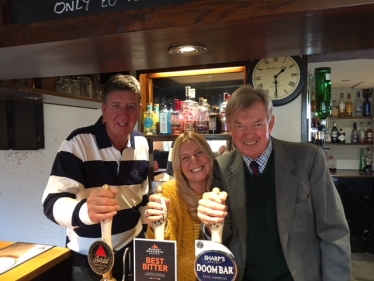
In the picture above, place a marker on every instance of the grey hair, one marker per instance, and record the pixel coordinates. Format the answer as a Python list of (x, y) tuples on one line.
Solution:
[(246, 96)]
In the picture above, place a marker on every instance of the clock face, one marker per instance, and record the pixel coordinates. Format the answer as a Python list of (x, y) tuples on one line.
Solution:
[(282, 77)]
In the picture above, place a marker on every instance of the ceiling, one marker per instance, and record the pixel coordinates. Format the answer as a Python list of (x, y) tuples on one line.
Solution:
[(234, 31)]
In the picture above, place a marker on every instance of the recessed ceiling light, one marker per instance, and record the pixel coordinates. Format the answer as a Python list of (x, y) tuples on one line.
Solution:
[(187, 50)]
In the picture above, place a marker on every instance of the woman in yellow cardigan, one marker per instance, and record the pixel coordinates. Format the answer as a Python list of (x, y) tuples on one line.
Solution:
[(192, 161)]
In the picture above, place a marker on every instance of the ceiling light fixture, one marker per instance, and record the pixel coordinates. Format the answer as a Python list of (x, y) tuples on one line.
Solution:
[(187, 50)]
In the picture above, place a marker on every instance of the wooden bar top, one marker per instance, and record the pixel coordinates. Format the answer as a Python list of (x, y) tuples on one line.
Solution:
[(36, 266)]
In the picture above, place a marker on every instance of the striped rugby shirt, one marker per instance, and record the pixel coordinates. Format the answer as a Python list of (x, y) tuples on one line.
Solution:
[(87, 160)]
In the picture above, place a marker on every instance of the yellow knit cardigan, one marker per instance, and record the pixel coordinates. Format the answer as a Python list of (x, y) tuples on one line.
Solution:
[(180, 227)]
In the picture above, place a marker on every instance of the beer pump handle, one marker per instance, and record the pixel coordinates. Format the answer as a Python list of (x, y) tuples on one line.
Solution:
[(106, 236), (216, 228), (159, 226)]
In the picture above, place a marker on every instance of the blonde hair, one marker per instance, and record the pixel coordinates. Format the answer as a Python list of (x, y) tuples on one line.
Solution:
[(181, 181)]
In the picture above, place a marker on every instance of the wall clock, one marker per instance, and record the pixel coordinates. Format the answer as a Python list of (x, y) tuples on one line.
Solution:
[(282, 77)]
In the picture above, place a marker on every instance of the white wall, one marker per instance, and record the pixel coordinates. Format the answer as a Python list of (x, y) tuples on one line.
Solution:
[(288, 121), (24, 175)]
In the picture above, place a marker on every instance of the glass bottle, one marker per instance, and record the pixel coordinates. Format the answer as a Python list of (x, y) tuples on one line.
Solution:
[(188, 111), (327, 136), (202, 118), (187, 118), (176, 119), (214, 121), (354, 134), (341, 106), (369, 133), (362, 133), (366, 106), (362, 165), (207, 105), (165, 121), (349, 106), (222, 113), (341, 135), (334, 133), (222, 107), (156, 118), (368, 160), (322, 78), (335, 109), (357, 112), (148, 120)]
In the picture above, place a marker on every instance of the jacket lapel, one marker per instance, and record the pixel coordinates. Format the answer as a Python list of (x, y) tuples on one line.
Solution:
[(286, 185), (237, 197)]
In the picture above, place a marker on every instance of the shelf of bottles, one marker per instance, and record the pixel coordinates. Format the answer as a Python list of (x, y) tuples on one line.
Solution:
[(357, 115), (341, 120), (168, 122)]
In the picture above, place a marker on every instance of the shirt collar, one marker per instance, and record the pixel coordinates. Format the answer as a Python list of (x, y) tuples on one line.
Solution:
[(262, 159)]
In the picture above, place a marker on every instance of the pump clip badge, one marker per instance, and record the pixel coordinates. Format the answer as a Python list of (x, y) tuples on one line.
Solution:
[(217, 264), (100, 257)]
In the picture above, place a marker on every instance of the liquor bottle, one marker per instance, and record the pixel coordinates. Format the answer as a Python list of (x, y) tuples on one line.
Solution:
[(322, 78), (176, 119), (165, 121), (222, 113), (366, 106), (341, 106), (327, 136), (156, 118), (362, 165), (188, 111), (369, 133), (334, 133), (222, 107), (192, 94), (349, 106), (188, 118), (358, 108), (354, 134), (187, 92), (208, 106), (202, 118), (335, 109), (148, 120), (368, 160), (214, 121), (341, 135), (362, 133)]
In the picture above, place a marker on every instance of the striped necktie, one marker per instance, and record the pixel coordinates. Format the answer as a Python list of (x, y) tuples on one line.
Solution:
[(254, 167)]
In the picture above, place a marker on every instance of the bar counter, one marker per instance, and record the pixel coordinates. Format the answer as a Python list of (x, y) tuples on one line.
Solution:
[(345, 173), (54, 263)]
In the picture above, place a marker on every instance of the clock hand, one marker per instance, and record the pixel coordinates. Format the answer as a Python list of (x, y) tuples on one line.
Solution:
[(276, 87), (282, 70), (276, 82)]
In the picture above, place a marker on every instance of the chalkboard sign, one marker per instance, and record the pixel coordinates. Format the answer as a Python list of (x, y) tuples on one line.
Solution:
[(29, 11)]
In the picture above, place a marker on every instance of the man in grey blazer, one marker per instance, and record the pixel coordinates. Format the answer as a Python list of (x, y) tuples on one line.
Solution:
[(283, 216)]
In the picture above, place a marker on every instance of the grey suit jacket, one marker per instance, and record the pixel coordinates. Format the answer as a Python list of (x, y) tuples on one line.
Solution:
[(313, 231)]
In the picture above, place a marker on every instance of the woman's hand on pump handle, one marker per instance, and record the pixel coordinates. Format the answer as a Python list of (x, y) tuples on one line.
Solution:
[(154, 210)]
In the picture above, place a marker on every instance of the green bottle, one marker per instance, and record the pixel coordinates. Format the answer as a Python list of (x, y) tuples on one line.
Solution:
[(322, 78), (362, 161)]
